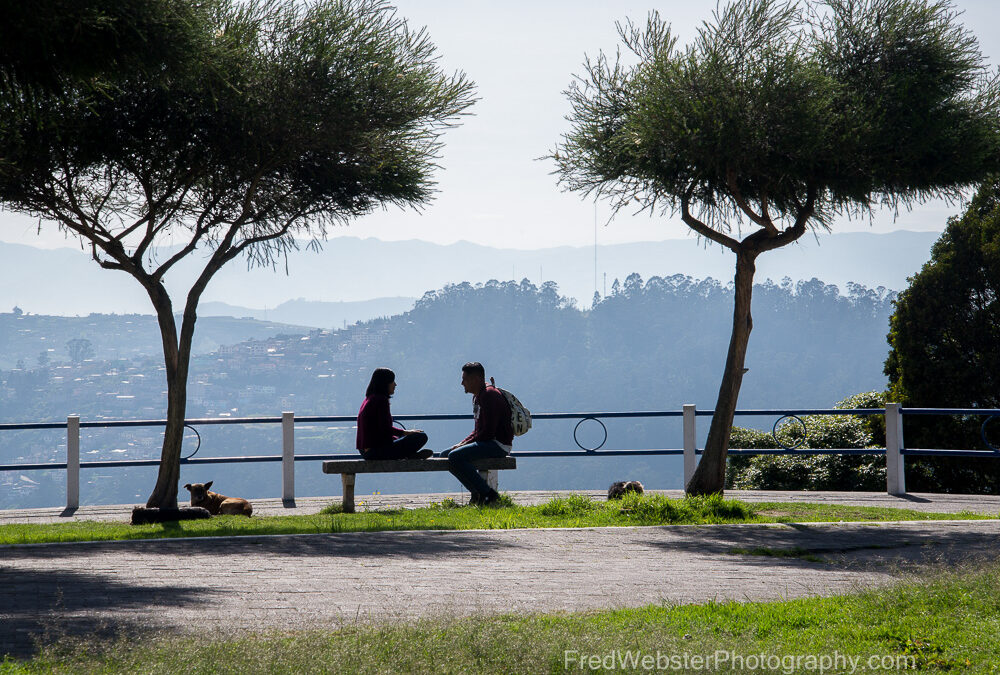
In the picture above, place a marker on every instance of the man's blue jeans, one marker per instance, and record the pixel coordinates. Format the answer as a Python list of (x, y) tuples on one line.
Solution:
[(459, 464)]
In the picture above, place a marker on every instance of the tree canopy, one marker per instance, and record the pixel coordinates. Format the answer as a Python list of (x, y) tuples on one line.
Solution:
[(779, 116), (855, 102), (57, 44)]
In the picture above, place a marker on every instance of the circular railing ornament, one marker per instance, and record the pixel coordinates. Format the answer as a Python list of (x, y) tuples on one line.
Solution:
[(599, 445), (774, 432), (197, 447), (982, 433)]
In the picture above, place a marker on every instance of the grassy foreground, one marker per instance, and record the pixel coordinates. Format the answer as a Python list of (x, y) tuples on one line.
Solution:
[(571, 511), (948, 623)]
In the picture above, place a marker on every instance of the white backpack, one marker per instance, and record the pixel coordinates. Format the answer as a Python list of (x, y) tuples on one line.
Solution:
[(520, 417)]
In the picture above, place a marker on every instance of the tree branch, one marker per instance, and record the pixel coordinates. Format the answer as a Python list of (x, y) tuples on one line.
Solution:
[(199, 232), (106, 264), (703, 229), (762, 219), (74, 206), (246, 243), (790, 234)]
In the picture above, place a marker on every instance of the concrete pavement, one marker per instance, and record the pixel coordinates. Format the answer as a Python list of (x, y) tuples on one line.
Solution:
[(320, 581)]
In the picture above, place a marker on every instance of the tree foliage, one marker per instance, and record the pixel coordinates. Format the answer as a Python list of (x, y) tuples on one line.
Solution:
[(857, 102), (290, 118), (945, 348), (50, 45), (779, 116), (814, 472)]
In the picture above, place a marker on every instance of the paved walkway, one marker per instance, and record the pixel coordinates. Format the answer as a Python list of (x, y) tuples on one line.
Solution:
[(940, 503), (312, 581)]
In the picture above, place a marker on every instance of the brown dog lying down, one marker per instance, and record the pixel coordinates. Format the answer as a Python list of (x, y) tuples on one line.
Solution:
[(217, 504)]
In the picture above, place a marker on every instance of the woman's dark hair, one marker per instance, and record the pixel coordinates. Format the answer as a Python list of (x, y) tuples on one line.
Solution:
[(381, 379)]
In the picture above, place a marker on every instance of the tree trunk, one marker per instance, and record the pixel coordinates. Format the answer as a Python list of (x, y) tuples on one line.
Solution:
[(164, 494), (710, 476)]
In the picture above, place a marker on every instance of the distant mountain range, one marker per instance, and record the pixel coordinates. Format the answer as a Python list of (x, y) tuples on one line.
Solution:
[(349, 271)]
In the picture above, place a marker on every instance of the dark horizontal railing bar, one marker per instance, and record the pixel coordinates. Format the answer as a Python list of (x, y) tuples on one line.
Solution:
[(805, 451), (32, 467), (465, 416), (949, 411), (144, 423), (594, 453), (801, 411), (155, 462), (314, 419), (160, 423), (930, 452), (32, 425), (522, 453), (193, 460), (314, 457)]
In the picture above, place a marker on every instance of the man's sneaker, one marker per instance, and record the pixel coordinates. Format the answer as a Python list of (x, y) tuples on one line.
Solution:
[(424, 454)]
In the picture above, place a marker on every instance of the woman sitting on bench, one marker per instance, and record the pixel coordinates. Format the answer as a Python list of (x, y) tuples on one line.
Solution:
[(377, 437)]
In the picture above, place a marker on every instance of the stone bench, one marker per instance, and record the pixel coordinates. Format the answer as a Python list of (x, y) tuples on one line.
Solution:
[(348, 468)]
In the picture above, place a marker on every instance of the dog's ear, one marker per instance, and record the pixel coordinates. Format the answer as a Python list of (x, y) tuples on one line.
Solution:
[(208, 485), (188, 486)]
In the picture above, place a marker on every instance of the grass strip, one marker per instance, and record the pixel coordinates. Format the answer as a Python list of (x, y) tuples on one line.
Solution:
[(948, 622), (570, 511)]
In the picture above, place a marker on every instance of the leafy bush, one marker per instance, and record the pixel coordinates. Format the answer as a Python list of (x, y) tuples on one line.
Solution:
[(814, 472)]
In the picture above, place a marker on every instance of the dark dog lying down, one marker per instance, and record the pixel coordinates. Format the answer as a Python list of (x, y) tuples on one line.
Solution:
[(217, 504), (619, 489)]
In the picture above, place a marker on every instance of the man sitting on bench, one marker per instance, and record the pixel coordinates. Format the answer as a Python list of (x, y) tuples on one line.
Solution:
[(491, 437)]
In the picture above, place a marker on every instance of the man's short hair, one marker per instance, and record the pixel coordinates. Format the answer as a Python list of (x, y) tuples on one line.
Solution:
[(474, 367)]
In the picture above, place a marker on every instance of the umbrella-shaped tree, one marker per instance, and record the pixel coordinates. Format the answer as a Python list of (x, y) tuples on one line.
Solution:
[(777, 118), (291, 117)]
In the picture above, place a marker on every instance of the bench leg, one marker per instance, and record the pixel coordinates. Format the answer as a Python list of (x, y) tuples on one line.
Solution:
[(348, 481), (490, 476)]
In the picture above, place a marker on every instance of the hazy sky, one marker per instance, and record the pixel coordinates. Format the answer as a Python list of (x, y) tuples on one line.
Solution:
[(522, 56)]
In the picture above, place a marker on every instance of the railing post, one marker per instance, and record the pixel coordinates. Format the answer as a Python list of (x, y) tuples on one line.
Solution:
[(73, 462), (895, 475), (288, 457), (690, 442)]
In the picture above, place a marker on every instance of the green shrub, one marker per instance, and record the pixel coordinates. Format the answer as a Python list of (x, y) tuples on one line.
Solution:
[(814, 472)]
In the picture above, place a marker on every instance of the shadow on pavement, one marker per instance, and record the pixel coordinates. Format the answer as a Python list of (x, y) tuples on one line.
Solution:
[(46, 606), (856, 545), (422, 544)]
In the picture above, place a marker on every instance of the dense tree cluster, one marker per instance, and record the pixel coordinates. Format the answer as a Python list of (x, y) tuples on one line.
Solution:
[(945, 349), (651, 345)]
